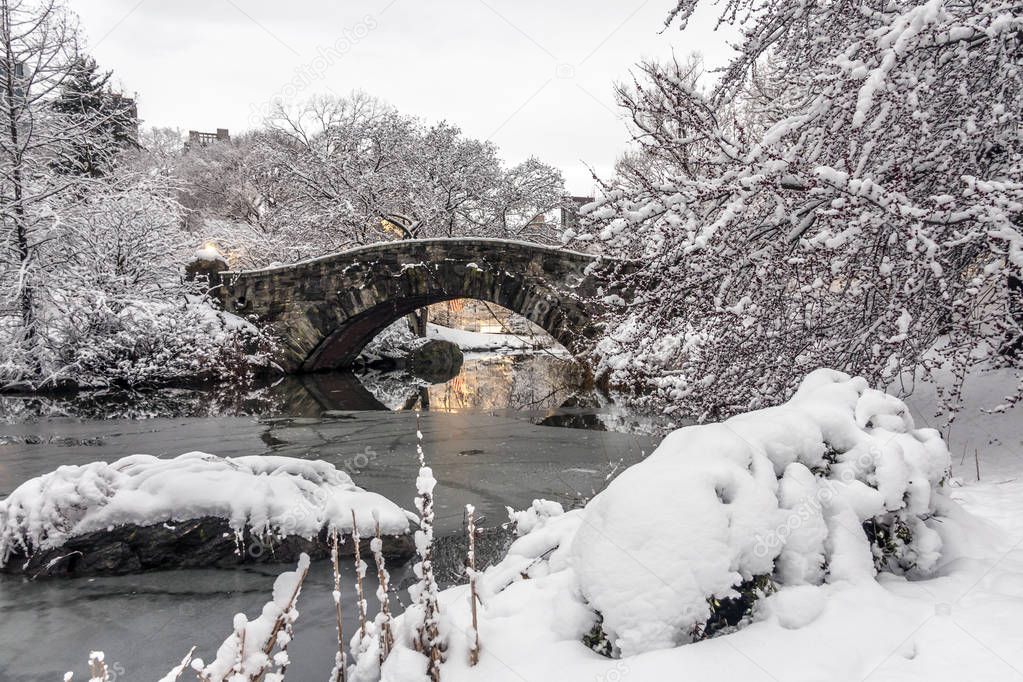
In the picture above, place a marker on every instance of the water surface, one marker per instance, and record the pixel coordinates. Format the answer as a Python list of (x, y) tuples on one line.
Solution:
[(506, 430)]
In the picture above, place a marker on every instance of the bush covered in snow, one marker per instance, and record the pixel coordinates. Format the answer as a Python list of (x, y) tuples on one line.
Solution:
[(150, 342), (110, 306), (834, 485)]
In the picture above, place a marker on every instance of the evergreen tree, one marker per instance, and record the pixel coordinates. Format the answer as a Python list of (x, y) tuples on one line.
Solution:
[(86, 96)]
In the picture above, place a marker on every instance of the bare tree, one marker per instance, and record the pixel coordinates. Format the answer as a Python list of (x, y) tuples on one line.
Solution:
[(38, 49), (333, 173)]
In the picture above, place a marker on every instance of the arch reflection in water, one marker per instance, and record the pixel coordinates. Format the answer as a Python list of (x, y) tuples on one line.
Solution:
[(529, 382)]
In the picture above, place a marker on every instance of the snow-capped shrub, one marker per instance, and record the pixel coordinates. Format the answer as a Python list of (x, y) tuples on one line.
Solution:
[(104, 342), (834, 485)]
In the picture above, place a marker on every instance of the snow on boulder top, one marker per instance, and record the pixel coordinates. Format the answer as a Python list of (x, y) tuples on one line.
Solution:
[(270, 494), (209, 253)]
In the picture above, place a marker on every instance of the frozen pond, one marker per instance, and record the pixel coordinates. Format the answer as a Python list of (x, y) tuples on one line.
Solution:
[(496, 435)]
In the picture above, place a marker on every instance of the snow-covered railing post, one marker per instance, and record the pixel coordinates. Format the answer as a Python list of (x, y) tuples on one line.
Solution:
[(206, 267)]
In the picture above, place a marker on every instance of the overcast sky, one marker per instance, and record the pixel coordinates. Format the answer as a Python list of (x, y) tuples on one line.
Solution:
[(534, 76)]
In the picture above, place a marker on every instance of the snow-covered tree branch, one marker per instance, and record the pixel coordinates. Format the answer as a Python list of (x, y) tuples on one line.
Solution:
[(848, 195)]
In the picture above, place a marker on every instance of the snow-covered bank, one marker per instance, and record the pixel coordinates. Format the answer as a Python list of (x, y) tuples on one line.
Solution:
[(136, 343), (269, 496), (923, 590), (397, 341), (483, 341)]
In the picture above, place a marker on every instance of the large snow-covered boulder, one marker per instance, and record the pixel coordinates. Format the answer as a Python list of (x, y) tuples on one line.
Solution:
[(143, 512)]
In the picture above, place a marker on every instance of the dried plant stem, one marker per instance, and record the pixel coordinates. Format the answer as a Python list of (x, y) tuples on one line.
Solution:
[(428, 639), (97, 668), (280, 623), (184, 664), (474, 649), (341, 660), (239, 665), (359, 569), (386, 635)]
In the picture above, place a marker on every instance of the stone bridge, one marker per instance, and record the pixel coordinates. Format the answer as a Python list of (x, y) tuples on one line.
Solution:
[(327, 309)]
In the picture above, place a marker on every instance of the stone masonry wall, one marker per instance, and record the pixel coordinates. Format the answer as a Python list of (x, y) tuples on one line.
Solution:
[(325, 310)]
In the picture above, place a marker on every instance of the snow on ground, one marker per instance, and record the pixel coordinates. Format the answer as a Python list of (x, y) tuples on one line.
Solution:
[(272, 494), (483, 341), (703, 508), (396, 341)]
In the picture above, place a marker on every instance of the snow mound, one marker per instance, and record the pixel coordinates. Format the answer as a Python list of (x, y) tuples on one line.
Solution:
[(833, 485), (278, 496)]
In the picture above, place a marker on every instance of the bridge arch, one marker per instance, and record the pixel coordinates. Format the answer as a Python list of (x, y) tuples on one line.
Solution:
[(327, 309)]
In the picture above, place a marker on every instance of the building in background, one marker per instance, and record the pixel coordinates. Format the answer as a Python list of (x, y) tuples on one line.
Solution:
[(570, 211), (200, 139), (480, 316)]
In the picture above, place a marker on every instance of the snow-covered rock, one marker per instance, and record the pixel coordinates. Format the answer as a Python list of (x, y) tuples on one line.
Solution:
[(394, 343), (267, 497)]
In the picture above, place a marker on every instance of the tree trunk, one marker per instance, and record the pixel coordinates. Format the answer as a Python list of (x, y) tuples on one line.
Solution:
[(417, 322), (21, 236), (1013, 346)]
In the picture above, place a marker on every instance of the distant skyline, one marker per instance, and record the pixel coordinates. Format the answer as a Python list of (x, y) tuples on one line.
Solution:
[(534, 77)]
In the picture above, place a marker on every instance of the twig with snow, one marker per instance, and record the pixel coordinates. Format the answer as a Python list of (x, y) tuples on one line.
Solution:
[(383, 619), (340, 671), (474, 650)]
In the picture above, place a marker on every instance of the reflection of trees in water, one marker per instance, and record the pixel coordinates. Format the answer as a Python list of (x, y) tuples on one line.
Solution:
[(492, 382), (535, 382), (395, 390), (215, 401)]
